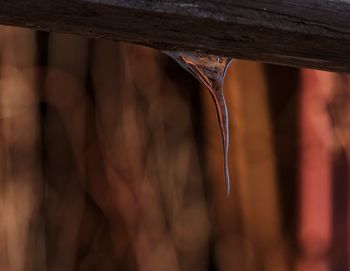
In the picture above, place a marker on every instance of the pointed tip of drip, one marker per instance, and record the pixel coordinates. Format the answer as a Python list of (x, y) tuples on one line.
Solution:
[(228, 186)]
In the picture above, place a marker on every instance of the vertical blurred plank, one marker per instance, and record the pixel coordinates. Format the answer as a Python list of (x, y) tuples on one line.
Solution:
[(171, 118), (338, 259), (316, 139), (64, 130), (338, 110), (254, 173), (123, 132), (116, 200), (345, 124), (172, 159), (22, 183), (283, 86), (3, 245)]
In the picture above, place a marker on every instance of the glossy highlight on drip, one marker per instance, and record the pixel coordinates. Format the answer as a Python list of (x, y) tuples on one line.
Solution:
[(210, 70)]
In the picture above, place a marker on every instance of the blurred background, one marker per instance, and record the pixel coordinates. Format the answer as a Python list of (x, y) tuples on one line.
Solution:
[(111, 159)]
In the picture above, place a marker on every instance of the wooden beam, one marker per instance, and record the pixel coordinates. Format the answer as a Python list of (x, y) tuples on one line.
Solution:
[(302, 33)]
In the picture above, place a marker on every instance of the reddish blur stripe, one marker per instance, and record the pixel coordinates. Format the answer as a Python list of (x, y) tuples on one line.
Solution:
[(315, 232)]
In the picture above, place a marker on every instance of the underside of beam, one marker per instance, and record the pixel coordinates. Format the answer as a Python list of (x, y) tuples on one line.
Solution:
[(301, 33)]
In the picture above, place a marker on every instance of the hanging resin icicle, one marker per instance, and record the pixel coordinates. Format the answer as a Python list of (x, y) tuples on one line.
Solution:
[(210, 70)]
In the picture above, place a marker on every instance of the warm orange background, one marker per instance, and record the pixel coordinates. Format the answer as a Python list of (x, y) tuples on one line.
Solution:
[(111, 159)]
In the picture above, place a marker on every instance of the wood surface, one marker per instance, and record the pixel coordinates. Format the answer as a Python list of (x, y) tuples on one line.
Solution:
[(301, 33)]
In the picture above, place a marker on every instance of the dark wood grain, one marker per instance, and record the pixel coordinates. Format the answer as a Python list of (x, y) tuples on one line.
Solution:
[(303, 33)]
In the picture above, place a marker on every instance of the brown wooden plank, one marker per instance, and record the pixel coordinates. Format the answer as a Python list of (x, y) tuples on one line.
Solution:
[(301, 33)]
